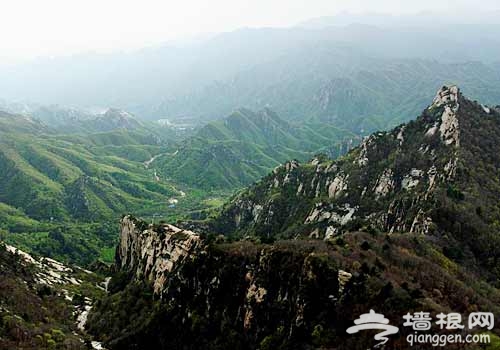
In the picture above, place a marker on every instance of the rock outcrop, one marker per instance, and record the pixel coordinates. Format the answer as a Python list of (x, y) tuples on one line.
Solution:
[(54, 297), (390, 181), (395, 223), (252, 289), (152, 253)]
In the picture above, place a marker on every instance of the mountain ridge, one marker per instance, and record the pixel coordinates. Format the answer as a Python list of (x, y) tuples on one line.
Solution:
[(405, 222), (239, 149), (436, 175)]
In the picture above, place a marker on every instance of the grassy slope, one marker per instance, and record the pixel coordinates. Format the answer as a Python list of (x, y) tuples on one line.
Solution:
[(61, 194), (240, 149)]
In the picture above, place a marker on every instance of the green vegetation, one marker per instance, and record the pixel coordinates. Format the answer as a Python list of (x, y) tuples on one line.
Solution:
[(398, 273), (406, 222), (240, 149), (449, 192), (61, 195), (35, 315)]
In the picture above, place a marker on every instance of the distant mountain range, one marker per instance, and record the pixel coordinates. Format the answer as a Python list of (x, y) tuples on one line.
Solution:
[(362, 77), (407, 221), (66, 120)]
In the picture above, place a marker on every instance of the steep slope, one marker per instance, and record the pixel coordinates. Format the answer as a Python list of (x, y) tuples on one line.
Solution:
[(58, 193), (241, 148), (42, 302), (406, 222), (437, 175)]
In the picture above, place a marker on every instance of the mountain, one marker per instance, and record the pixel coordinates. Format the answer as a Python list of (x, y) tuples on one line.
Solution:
[(436, 175), (114, 119), (241, 148), (59, 119), (54, 115), (70, 120), (406, 222), (10, 123), (351, 88), (59, 193), (43, 303), (81, 177), (64, 179), (364, 77)]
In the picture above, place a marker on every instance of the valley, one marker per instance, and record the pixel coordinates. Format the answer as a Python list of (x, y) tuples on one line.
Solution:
[(288, 262), (323, 223), (61, 194), (250, 175)]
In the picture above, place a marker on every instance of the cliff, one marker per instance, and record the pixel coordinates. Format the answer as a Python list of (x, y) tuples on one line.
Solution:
[(152, 254), (395, 181), (175, 290), (407, 221)]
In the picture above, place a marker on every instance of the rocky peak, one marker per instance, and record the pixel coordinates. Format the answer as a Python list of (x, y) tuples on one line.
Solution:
[(115, 118), (447, 95), (152, 252), (419, 201), (115, 113), (391, 181)]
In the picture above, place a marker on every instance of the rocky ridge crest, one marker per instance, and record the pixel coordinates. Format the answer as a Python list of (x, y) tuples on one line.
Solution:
[(388, 182)]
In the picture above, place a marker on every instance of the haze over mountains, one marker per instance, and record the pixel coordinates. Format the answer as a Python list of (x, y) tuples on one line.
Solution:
[(232, 107), (270, 184), (361, 72)]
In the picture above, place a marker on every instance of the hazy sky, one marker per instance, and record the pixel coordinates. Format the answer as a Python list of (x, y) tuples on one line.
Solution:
[(31, 28)]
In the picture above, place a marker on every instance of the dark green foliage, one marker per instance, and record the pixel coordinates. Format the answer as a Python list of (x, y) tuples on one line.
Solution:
[(245, 146), (32, 316), (449, 263), (205, 302), (210, 315), (365, 245), (454, 193), (463, 209)]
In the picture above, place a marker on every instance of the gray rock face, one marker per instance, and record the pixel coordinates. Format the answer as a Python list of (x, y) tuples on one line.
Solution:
[(338, 186), (446, 95), (253, 288), (49, 271), (344, 278), (152, 254), (390, 182), (449, 126), (363, 154), (385, 183), (449, 129)]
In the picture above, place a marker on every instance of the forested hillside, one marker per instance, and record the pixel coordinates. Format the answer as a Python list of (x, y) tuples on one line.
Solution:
[(238, 150)]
